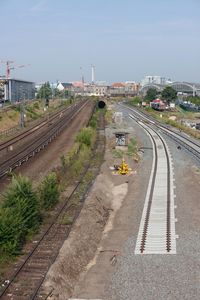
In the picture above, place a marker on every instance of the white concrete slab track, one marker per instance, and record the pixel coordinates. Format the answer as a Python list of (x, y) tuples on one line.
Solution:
[(191, 144), (157, 227)]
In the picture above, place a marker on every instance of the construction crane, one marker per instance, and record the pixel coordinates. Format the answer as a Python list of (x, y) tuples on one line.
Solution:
[(13, 68), (9, 67), (7, 62)]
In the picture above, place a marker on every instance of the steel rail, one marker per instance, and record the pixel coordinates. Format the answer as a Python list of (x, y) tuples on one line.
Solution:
[(189, 144), (31, 130), (6, 291), (150, 198), (42, 141), (99, 144)]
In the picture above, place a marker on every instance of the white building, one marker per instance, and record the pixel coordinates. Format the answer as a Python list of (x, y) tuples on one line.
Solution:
[(155, 79), (61, 86)]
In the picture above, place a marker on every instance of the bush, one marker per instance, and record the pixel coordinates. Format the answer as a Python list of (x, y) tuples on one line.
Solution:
[(93, 123), (36, 105), (132, 147), (49, 191), (19, 215), (135, 100), (85, 136)]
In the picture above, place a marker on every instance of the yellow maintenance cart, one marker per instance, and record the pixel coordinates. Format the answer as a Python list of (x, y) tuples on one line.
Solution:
[(123, 168)]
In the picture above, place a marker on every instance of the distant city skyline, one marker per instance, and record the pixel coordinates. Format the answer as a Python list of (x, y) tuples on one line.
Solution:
[(125, 40)]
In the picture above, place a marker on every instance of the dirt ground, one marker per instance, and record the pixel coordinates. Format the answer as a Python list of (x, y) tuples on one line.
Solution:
[(37, 167), (85, 244)]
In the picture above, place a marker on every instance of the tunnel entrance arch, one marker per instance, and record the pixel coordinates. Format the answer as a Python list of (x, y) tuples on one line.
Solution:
[(101, 104)]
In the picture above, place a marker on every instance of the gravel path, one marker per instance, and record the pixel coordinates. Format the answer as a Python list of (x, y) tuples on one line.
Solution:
[(166, 276), (150, 277)]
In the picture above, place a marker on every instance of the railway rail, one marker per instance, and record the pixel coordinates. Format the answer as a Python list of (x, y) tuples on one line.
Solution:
[(192, 145), (39, 125), (40, 141), (26, 282), (157, 228)]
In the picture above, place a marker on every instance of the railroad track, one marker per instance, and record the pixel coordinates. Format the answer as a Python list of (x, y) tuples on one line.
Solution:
[(192, 145), (39, 142), (26, 282), (12, 141), (157, 227)]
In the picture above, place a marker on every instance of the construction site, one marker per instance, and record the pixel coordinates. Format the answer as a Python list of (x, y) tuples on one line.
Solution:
[(11, 89)]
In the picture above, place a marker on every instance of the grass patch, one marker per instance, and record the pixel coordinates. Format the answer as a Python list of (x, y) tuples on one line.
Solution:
[(85, 136), (118, 153), (132, 147), (165, 119), (108, 116), (67, 220)]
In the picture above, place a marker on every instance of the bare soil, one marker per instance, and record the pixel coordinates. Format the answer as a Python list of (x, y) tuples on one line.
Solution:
[(84, 246), (39, 166)]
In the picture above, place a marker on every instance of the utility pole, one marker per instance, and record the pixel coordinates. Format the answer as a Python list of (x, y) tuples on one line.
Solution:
[(82, 81), (52, 90), (22, 119), (93, 74)]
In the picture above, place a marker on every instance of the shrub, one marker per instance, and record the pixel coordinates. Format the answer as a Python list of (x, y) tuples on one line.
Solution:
[(85, 136), (132, 147), (93, 123), (49, 191), (20, 195), (36, 105), (19, 215)]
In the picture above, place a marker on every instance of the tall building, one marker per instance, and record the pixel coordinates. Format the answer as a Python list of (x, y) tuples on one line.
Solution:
[(17, 90)]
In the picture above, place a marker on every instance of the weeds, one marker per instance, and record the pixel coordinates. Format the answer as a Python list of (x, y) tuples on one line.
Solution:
[(132, 147), (49, 191), (85, 136), (19, 215), (67, 220), (118, 153)]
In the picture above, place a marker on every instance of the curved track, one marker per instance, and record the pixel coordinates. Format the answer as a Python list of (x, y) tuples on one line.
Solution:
[(157, 228), (189, 143)]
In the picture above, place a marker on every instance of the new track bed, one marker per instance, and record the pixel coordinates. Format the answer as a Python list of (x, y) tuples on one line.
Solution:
[(157, 227), (189, 143)]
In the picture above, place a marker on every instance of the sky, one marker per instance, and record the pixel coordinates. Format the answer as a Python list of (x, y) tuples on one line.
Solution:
[(123, 39)]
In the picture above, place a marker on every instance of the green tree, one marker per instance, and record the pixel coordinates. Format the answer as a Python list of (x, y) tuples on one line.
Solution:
[(151, 94), (45, 91), (195, 100), (57, 93), (169, 94)]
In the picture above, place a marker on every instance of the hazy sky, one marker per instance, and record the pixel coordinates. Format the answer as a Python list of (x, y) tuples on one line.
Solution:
[(124, 39)]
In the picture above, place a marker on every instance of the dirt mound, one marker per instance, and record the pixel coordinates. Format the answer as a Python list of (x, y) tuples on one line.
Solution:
[(82, 243)]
